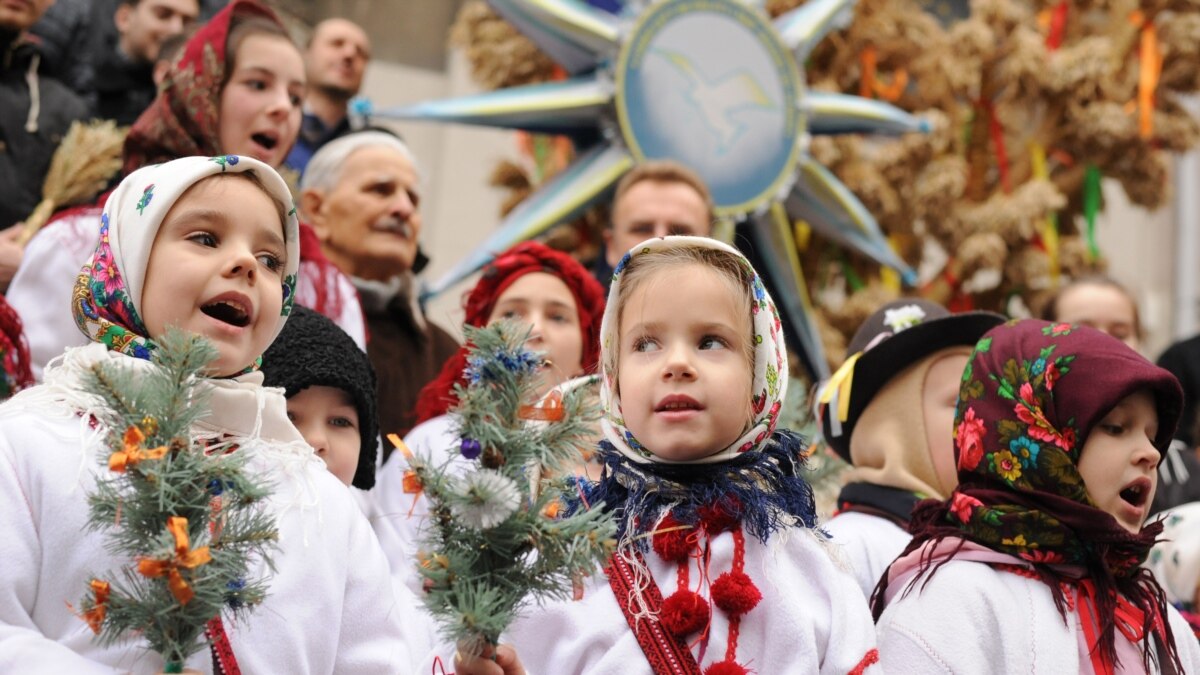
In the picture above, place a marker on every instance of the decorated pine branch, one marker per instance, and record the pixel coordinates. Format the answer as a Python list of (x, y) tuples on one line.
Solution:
[(498, 540), (187, 519)]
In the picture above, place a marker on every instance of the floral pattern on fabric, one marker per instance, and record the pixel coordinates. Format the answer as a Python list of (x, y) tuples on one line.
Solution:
[(104, 301), (770, 359), (101, 304), (1024, 409), (182, 119)]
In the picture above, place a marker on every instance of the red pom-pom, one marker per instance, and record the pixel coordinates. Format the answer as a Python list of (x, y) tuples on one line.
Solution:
[(735, 593), (684, 613), (670, 539), (726, 668), (721, 516)]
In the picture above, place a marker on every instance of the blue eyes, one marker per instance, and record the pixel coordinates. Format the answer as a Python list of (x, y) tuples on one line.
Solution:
[(646, 344)]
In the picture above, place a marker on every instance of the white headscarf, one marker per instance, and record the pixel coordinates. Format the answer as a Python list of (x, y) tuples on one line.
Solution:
[(770, 360)]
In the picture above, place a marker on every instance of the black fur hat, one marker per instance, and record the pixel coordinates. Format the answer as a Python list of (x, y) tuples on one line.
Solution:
[(313, 351)]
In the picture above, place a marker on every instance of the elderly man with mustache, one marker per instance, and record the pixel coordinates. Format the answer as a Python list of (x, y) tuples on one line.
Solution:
[(360, 194)]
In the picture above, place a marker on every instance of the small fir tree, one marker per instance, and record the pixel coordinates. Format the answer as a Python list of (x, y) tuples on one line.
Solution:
[(499, 538), (187, 515)]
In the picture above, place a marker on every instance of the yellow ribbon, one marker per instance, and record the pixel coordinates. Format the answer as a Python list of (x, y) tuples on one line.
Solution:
[(1037, 158), (184, 558), (840, 384), (134, 451)]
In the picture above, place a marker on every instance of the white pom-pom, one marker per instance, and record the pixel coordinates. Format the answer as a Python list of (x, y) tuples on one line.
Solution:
[(485, 499)]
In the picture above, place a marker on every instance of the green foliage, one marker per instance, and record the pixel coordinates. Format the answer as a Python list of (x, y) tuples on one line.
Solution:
[(496, 540), (147, 409)]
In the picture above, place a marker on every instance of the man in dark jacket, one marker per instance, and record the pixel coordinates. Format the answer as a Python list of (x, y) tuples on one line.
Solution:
[(360, 194), (35, 112)]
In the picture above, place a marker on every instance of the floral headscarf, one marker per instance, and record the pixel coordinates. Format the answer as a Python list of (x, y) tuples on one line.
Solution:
[(183, 119), (770, 359), (1030, 395), (438, 396), (108, 293)]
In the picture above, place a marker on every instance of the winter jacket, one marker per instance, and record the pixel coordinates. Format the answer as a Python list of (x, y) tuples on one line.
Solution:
[(35, 113)]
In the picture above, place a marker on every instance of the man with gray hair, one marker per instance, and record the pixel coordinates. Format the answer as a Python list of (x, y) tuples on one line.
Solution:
[(361, 195)]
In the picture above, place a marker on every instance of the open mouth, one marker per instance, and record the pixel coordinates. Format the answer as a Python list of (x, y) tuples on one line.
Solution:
[(228, 311), (267, 141), (1136, 493), (676, 403)]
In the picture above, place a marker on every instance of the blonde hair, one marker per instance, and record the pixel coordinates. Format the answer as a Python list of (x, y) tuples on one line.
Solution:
[(665, 171), (731, 269)]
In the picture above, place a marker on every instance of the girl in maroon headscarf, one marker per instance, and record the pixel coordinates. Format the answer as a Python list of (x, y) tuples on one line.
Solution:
[(530, 283), (236, 88), (1031, 565)]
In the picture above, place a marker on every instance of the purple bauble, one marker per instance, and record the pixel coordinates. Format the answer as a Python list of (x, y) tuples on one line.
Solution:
[(470, 448)]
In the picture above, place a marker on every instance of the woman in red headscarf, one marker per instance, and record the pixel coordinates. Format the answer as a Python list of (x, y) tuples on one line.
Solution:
[(236, 88), (530, 283)]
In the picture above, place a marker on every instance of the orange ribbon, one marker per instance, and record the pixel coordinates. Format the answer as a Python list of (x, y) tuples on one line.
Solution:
[(1149, 71), (95, 616), (184, 558), (869, 85), (134, 452), (549, 410)]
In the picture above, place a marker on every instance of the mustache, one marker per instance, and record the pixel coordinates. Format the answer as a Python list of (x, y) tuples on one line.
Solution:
[(402, 226)]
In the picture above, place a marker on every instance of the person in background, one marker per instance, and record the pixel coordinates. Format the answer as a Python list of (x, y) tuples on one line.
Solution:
[(335, 60), (361, 195), (902, 376), (655, 199), (1100, 302), (123, 84), (35, 113)]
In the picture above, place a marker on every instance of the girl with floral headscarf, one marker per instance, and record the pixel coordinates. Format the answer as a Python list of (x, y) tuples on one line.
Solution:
[(235, 88), (209, 245), (718, 566), (1032, 564)]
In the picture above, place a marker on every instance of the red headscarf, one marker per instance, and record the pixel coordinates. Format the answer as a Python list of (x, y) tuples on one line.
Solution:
[(437, 397), (184, 120)]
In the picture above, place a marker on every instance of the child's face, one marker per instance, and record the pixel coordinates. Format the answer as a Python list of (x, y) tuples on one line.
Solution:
[(939, 397), (544, 302), (1101, 307), (216, 270), (328, 420), (1119, 459), (682, 372), (260, 104)]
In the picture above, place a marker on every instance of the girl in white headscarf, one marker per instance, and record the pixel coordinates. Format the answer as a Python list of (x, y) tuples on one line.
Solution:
[(209, 245), (719, 567)]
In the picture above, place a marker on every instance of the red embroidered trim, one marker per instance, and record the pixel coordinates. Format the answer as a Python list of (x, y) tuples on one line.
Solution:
[(869, 659), (224, 662), (666, 654)]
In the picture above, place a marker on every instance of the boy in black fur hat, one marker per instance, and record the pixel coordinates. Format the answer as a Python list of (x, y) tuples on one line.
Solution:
[(330, 389)]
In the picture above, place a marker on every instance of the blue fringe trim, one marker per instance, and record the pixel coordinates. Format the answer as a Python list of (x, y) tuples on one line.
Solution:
[(765, 484)]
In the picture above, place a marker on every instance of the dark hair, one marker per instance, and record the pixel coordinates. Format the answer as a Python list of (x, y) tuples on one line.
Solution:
[(242, 28), (1050, 307)]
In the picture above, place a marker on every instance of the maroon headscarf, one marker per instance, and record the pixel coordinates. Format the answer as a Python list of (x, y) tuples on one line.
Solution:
[(437, 397), (1030, 395)]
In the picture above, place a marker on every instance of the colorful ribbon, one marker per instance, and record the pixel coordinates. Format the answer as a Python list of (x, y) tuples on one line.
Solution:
[(95, 616), (134, 451), (184, 558), (1149, 69), (1091, 207), (549, 409), (836, 392), (1049, 229)]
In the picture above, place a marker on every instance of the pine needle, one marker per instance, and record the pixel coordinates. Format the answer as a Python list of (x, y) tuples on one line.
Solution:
[(88, 157)]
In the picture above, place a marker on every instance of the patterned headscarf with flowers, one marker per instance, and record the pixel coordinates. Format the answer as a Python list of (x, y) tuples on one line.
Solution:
[(107, 297), (770, 358), (183, 119), (1030, 395)]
